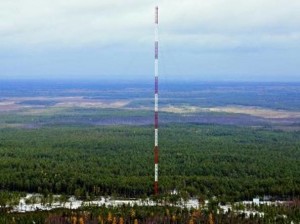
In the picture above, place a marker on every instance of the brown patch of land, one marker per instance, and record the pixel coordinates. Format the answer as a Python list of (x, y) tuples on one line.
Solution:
[(182, 110), (253, 111), (258, 112), (90, 103), (19, 103), (9, 105)]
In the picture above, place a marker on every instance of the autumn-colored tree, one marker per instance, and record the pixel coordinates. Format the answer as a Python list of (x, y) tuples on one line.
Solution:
[(132, 213), (100, 220), (210, 219), (196, 214), (114, 220), (109, 217), (121, 220), (191, 221), (81, 220), (74, 220), (136, 221), (167, 212), (174, 218)]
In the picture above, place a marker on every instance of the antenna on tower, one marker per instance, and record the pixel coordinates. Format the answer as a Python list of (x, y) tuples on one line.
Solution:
[(156, 104)]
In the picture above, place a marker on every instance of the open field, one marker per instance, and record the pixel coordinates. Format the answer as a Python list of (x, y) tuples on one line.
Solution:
[(258, 112), (38, 103), (250, 104), (253, 111)]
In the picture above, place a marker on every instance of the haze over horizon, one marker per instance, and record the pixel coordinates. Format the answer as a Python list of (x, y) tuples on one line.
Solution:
[(255, 40)]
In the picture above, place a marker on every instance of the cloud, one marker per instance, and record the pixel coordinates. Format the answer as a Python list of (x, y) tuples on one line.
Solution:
[(210, 24), (32, 22), (211, 39), (234, 24)]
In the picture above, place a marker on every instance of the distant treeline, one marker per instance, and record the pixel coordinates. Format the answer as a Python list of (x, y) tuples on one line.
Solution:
[(140, 93)]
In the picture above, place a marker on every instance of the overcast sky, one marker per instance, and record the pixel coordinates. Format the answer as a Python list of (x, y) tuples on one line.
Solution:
[(210, 40)]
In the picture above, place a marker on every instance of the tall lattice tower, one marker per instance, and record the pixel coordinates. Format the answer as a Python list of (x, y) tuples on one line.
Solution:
[(156, 104)]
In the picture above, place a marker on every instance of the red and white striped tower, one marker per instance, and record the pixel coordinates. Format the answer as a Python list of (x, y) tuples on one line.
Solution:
[(156, 105)]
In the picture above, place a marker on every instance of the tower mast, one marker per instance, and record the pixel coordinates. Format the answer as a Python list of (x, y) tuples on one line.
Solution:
[(156, 104)]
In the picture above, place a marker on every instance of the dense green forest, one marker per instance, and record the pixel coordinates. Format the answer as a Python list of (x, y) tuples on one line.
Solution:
[(229, 162)]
